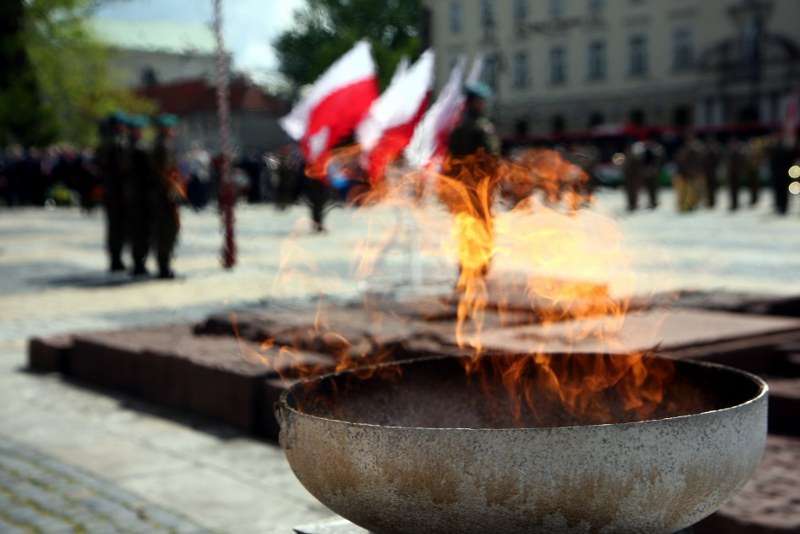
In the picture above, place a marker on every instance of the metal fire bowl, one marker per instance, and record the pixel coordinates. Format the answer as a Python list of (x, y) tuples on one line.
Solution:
[(420, 452)]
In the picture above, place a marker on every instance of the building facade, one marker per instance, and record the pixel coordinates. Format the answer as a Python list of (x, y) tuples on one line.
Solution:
[(574, 65), (144, 53), (254, 114)]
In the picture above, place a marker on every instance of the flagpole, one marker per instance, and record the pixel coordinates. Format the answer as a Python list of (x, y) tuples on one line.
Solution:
[(227, 190)]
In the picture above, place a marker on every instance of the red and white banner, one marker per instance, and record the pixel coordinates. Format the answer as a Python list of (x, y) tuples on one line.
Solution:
[(429, 143), (391, 120), (439, 121), (334, 106)]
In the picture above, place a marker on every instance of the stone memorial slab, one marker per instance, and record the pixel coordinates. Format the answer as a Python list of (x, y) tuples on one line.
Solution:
[(640, 330)]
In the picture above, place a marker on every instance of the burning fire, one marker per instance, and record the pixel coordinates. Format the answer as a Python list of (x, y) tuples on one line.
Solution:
[(576, 268)]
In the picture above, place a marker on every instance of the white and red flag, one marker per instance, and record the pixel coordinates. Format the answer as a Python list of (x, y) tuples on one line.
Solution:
[(391, 120), (334, 106), (430, 137)]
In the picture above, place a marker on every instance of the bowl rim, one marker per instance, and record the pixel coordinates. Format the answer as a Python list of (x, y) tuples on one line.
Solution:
[(283, 403)]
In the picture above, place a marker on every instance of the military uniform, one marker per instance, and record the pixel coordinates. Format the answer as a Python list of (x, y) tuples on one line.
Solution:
[(691, 179), (140, 190), (110, 161), (167, 195)]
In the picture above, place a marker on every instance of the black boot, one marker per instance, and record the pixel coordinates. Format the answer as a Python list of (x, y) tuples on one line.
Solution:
[(140, 270), (117, 265)]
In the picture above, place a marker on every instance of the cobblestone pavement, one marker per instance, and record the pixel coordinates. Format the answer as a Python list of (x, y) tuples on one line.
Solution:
[(177, 468), (40, 494)]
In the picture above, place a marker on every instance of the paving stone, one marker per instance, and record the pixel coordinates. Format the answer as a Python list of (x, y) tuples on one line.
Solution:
[(770, 502), (49, 354), (784, 407), (41, 493)]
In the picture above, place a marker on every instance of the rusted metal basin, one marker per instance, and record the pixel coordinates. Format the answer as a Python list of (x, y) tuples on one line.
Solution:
[(414, 448)]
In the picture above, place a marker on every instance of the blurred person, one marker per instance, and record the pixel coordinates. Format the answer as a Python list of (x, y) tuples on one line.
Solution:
[(12, 175), (758, 166), (251, 165), (110, 163), (198, 168), (740, 167), (317, 194), (690, 180), (643, 161), (168, 193), (472, 168), (140, 194), (290, 175), (782, 155), (712, 159)]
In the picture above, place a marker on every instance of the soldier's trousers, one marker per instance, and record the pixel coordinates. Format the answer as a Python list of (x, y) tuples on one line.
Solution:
[(316, 193), (167, 227), (115, 226), (141, 223)]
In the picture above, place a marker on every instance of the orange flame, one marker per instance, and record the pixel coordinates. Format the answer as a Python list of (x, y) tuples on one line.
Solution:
[(576, 267)]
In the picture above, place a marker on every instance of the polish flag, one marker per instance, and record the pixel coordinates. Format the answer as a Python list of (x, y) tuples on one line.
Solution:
[(391, 121), (335, 105), (430, 137)]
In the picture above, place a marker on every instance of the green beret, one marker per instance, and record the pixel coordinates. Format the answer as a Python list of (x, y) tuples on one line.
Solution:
[(166, 120), (479, 90), (118, 117), (137, 121)]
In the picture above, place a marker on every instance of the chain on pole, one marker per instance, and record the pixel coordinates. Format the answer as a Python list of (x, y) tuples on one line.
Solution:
[(227, 189)]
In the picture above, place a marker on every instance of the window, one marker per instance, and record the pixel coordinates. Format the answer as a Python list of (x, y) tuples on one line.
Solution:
[(489, 72), (487, 15), (557, 8), (596, 8), (520, 70), (148, 77), (520, 16), (455, 16), (597, 61), (638, 56), (558, 67), (683, 49), (520, 10)]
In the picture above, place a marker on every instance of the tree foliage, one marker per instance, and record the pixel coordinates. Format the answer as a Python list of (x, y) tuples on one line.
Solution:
[(326, 29), (69, 70)]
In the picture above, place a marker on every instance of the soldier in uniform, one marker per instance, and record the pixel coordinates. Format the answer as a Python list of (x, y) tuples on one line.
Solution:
[(168, 192), (473, 179), (738, 163), (713, 158), (691, 168), (140, 195), (110, 162)]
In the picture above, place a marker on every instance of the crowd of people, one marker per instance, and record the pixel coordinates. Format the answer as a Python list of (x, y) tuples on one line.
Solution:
[(142, 184), (142, 190), (698, 169)]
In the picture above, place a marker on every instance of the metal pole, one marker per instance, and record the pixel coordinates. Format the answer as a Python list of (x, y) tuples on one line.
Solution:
[(227, 190)]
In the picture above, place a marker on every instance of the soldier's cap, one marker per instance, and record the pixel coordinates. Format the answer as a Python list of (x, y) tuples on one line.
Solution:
[(478, 90), (118, 117), (166, 120), (137, 121)]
